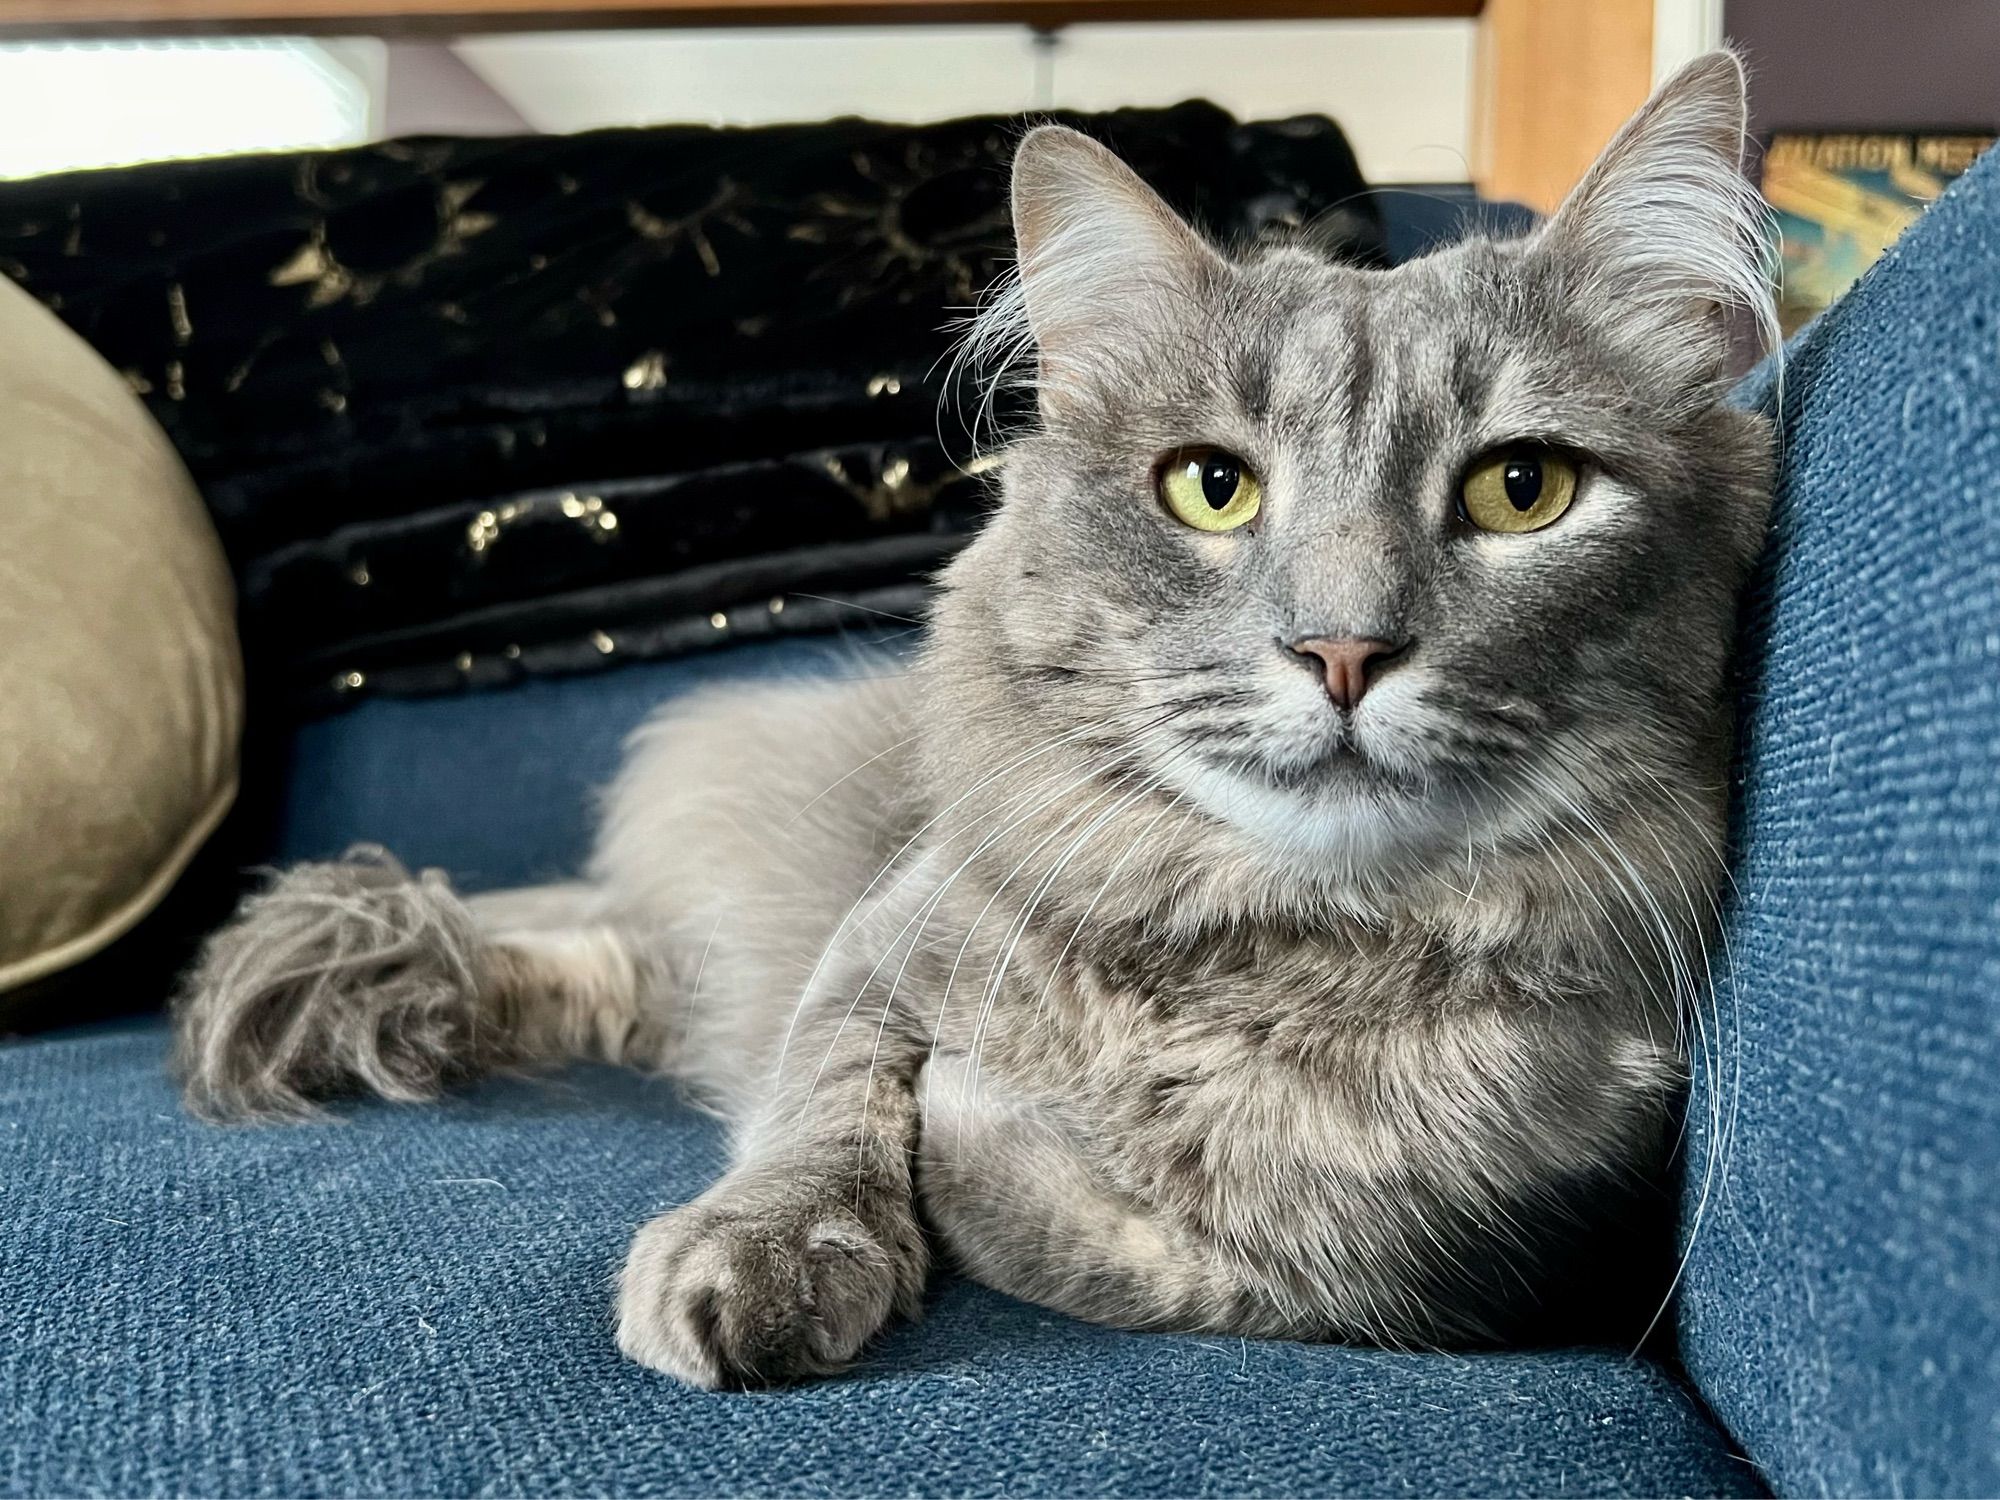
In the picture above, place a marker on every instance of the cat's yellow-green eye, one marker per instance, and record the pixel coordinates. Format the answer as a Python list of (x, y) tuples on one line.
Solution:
[(1517, 489), (1210, 490)]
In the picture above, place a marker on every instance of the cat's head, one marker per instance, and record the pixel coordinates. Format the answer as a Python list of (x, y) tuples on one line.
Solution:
[(1370, 563)]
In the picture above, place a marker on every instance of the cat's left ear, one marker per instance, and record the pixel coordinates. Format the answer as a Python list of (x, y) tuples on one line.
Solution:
[(1665, 225), (1102, 257)]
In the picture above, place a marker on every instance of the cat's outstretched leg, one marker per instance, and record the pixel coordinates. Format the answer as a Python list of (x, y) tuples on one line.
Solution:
[(356, 976), (810, 1244)]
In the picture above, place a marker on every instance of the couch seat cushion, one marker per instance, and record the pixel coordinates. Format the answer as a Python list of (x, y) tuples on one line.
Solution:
[(416, 1301)]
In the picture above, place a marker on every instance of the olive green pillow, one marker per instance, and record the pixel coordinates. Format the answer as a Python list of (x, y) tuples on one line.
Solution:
[(121, 686)]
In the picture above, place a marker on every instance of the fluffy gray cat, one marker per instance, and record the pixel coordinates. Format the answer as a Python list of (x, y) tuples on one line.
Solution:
[(1272, 902)]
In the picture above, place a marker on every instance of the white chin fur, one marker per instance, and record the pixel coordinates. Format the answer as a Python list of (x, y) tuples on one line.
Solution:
[(1355, 825), (1354, 832)]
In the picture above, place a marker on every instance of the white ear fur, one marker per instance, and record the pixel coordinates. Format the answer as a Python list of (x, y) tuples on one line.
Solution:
[(1666, 219), (1098, 250)]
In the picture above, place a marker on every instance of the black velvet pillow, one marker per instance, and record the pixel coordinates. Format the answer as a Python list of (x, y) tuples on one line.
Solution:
[(465, 409)]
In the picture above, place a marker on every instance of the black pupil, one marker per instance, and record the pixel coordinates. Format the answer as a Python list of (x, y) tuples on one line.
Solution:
[(1523, 481), (1220, 476)]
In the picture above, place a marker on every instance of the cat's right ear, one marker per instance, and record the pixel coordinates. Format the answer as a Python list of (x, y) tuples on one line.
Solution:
[(1101, 255), (1669, 231)]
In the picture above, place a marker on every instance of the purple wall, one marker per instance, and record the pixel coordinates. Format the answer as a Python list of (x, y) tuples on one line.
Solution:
[(1869, 64)]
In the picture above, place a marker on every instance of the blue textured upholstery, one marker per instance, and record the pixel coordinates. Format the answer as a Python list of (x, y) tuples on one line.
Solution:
[(498, 787), (416, 1302), (1842, 1307)]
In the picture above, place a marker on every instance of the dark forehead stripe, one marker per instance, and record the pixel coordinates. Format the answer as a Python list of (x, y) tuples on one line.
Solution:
[(1360, 383), (1472, 374), (1418, 421), (1252, 372)]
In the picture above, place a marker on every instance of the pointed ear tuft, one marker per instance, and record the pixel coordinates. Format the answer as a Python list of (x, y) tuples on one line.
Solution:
[(1665, 223), (1100, 252)]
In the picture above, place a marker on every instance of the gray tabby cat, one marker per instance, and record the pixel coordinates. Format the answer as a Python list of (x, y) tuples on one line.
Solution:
[(1270, 904)]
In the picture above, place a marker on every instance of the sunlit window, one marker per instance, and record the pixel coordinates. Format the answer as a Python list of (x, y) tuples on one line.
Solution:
[(99, 104)]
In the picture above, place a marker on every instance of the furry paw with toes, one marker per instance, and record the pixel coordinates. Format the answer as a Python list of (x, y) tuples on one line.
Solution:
[(723, 1293)]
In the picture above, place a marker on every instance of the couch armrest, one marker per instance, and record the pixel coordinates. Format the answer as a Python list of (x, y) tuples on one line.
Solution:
[(1841, 1307)]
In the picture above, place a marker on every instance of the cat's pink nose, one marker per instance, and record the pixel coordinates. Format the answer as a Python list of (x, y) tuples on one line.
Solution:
[(1345, 663)]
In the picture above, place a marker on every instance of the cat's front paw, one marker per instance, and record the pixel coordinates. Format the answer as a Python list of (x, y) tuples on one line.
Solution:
[(746, 1288)]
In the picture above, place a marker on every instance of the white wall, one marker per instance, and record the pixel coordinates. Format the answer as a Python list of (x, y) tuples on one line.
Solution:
[(1401, 89), (584, 80), (1682, 31)]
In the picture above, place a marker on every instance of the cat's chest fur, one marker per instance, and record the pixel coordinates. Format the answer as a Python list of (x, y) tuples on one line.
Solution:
[(1308, 1105)]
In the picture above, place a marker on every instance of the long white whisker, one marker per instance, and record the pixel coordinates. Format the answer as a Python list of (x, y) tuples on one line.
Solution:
[(907, 739), (1092, 771), (842, 927), (997, 979)]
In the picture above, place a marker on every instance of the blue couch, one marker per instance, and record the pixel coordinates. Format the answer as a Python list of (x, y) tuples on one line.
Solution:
[(416, 1301)]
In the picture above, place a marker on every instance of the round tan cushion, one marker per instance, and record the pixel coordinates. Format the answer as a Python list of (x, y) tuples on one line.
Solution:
[(121, 687)]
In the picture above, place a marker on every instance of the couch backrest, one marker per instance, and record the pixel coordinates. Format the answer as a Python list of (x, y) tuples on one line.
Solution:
[(1841, 1307)]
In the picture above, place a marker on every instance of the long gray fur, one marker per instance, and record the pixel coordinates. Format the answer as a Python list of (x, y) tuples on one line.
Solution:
[(1098, 952)]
